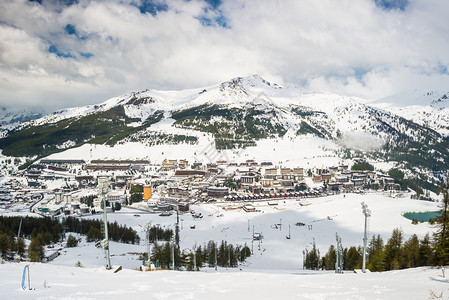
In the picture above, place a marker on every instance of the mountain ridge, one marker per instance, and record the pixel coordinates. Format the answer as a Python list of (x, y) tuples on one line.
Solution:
[(238, 113)]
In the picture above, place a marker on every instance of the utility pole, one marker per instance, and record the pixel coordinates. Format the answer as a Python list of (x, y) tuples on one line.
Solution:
[(367, 212), (103, 188)]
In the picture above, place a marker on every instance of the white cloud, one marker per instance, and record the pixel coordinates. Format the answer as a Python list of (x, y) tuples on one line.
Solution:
[(348, 47)]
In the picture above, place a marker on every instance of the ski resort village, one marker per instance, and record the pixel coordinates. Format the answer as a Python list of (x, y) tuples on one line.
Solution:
[(249, 221), (239, 190), (55, 187)]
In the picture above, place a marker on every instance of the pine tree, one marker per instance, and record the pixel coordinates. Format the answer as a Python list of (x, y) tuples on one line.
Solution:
[(425, 251), (442, 235), (353, 259), (36, 251), (376, 254), (211, 253), (19, 247), (5, 244), (410, 253), (393, 250), (71, 241), (329, 260), (312, 259)]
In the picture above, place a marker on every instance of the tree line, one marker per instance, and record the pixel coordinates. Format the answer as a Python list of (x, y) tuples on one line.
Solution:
[(397, 253), (45, 231), (223, 255)]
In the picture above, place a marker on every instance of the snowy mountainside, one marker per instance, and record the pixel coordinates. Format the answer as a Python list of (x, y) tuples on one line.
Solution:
[(240, 113), (12, 118), (430, 109)]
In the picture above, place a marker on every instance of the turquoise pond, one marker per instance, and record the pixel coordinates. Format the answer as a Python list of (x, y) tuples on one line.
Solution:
[(421, 216)]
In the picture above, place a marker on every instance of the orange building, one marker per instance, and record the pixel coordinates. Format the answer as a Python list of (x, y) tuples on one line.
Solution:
[(146, 192)]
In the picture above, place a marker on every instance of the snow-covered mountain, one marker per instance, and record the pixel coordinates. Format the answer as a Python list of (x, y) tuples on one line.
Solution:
[(430, 109), (10, 119), (243, 112)]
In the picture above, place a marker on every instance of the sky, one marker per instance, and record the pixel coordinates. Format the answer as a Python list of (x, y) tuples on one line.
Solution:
[(65, 53)]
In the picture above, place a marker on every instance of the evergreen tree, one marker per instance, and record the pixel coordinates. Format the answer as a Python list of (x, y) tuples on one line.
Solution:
[(330, 259), (442, 235), (425, 251), (410, 253), (393, 250), (211, 247), (71, 241), (36, 251), (222, 255), (94, 234), (199, 257), (376, 254), (244, 253), (19, 247), (5, 244), (312, 259), (353, 259)]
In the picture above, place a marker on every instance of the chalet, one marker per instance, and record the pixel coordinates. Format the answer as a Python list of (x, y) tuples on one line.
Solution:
[(335, 186), (333, 169), (248, 180), (271, 171), (341, 179), (326, 177), (267, 182), (298, 171), (286, 182), (348, 185), (217, 192), (183, 206), (285, 171), (317, 178), (343, 167)]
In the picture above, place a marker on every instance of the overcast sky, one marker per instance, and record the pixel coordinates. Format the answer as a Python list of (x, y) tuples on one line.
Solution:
[(64, 53)]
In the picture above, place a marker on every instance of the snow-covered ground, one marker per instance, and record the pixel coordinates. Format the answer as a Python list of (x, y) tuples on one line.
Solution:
[(57, 282), (323, 218), (274, 271)]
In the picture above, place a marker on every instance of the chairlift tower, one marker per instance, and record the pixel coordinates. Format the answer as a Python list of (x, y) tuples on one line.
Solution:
[(103, 188), (367, 212), (194, 257), (148, 229), (339, 252), (173, 253)]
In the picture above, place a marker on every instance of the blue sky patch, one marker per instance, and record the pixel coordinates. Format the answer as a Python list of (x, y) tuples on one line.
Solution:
[(53, 49), (391, 4), (70, 29), (151, 6), (217, 18), (86, 54)]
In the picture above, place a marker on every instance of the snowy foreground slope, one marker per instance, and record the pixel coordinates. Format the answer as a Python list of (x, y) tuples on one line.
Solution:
[(273, 272), (79, 283)]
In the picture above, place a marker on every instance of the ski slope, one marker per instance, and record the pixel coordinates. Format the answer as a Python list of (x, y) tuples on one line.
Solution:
[(274, 271)]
